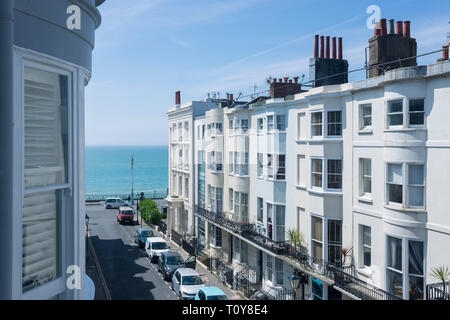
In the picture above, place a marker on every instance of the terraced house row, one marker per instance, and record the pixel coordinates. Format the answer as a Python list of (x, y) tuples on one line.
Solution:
[(343, 183)]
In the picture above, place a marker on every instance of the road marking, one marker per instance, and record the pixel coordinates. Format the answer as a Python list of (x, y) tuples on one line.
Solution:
[(100, 272)]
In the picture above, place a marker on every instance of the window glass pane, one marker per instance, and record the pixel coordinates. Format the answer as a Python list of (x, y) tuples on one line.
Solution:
[(395, 173), (317, 173), (395, 106), (416, 288), (395, 193), (396, 120), (367, 236), (316, 228), (366, 256), (394, 283), (394, 253), (416, 258), (317, 250), (416, 105), (316, 121), (41, 238), (45, 128), (416, 174)]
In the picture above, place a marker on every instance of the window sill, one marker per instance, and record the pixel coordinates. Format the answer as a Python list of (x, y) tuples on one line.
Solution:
[(402, 129), (365, 199), (325, 192), (402, 209), (274, 180), (324, 140), (365, 131), (301, 187)]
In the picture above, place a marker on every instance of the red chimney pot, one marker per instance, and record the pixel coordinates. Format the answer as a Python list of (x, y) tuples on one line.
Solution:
[(340, 49), (177, 97), (327, 48), (316, 46), (322, 46), (383, 27), (333, 51), (407, 29), (399, 25), (445, 52), (286, 79), (296, 79)]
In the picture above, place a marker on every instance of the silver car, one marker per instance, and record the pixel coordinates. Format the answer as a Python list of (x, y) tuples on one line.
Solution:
[(115, 203), (186, 282)]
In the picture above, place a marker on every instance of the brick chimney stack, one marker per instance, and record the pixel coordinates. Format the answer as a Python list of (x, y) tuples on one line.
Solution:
[(283, 89), (177, 97)]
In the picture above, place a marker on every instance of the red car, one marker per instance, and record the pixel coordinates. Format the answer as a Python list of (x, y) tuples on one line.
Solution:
[(125, 214)]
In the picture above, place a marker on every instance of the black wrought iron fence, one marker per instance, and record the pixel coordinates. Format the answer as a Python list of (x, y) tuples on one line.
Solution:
[(438, 291), (153, 194), (218, 218), (223, 271), (177, 238)]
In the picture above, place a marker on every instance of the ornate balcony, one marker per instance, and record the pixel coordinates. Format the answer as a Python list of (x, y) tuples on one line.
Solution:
[(219, 218)]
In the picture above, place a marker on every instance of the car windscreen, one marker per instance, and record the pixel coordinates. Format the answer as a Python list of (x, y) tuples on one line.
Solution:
[(175, 260), (192, 280), (221, 297), (127, 213), (146, 233), (159, 245)]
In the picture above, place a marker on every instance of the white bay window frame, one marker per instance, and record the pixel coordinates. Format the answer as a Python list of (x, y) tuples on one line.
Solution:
[(71, 224)]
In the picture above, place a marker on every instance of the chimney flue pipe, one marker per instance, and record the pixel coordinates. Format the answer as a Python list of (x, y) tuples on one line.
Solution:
[(383, 27), (316, 46), (322, 46), (177, 97), (407, 29), (445, 52), (296, 79), (392, 26), (327, 48), (399, 28), (286, 79), (333, 51), (340, 49)]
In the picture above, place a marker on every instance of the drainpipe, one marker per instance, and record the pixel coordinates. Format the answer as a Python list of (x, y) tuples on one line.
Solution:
[(6, 147)]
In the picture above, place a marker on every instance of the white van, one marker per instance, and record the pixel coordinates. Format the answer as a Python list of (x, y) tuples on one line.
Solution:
[(115, 203), (154, 246)]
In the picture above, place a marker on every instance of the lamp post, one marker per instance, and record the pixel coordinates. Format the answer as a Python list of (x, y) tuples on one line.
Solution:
[(295, 280)]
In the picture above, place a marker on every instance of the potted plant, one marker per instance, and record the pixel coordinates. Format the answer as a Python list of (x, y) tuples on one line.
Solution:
[(346, 253), (442, 274)]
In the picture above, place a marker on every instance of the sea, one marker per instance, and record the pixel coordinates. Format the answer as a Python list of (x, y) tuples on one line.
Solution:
[(108, 169)]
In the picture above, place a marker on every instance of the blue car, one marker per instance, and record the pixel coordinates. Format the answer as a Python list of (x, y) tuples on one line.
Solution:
[(210, 293), (141, 236)]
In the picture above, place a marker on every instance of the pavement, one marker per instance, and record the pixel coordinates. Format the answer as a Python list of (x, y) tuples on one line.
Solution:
[(119, 268)]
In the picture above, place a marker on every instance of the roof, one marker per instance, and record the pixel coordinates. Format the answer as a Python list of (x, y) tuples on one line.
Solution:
[(156, 239), (213, 291), (187, 272)]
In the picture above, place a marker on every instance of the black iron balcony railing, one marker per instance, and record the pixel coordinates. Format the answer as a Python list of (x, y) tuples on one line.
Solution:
[(219, 218), (358, 287), (438, 291), (249, 232)]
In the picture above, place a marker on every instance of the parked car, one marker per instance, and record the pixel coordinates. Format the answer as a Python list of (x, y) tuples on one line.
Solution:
[(115, 203), (125, 214), (171, 260), (186, 282), (141, 236), (210, 293), (154, 246)]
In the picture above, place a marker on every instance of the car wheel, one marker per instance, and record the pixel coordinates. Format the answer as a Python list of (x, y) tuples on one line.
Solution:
[(108, 207)]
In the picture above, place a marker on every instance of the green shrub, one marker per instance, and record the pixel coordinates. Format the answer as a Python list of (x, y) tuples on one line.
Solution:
[(149, 211)]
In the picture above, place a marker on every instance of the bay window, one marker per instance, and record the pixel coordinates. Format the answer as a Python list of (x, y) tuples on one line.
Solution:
[(280, 223), (407, 189), (215, 199), (269, 123), (47, 116), (281, 122), (416, 186), (240, 207), (281, 167), (395, 183), (335, 242), (260, 211), (244, 125), (279, 271), (269, 165), (260, 125), (316, 237), (260, 164)]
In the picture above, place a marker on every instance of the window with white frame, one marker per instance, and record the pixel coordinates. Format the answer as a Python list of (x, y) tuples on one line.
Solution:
[(270, 165), (416, 112), (410, 275), (316, 237), (215, 199), (244, 125), (365, 177), (215, 129), (334, 174), (395, 113), (366, 245), (230, 198), (231, 164), (281, 167), (365, 116), (279, 271), (260, 211), (269, 268), (269, 221), (47, 109), (316, 124), (180, 185), (186, 188), (240, 207), (280, 217), (230, 124), (244, 252), (236, 249), (236, 163), (215, 236), (237, 125), (316, 173), (180, 132), (215, 161), (281, 122), (203, 132), (269, 123), (260, 125), (244, 164), (334, 242), (186, 131), (334, 123), (394, 183), (260, 165), (406, 189)]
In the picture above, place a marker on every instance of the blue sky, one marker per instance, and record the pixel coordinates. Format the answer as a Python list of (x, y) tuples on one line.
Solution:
[(147, 49)]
